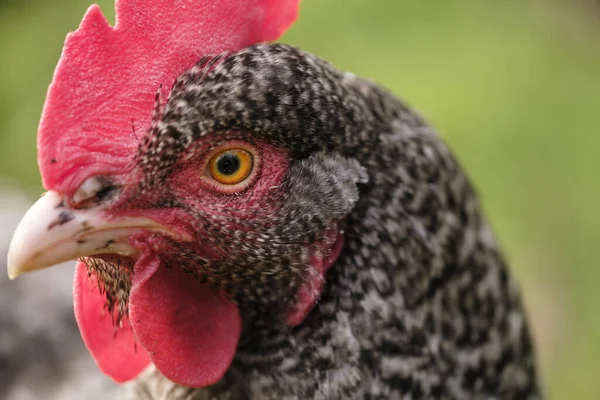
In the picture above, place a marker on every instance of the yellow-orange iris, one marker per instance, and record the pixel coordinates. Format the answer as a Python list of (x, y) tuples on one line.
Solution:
[(230, 167)]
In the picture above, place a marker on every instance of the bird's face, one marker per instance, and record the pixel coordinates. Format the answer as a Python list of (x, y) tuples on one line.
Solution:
[(216, 220), (230, 212)]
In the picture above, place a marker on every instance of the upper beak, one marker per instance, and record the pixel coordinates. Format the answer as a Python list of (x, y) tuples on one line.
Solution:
[(51, 233)]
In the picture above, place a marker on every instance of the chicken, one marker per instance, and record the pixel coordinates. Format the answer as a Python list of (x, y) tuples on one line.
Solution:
[(268, 227)]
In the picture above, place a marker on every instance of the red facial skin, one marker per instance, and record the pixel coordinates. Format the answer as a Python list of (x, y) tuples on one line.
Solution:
[(192, 186), (188, 329)]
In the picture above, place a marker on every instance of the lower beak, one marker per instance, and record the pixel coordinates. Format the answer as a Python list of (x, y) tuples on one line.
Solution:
[(51, 233)]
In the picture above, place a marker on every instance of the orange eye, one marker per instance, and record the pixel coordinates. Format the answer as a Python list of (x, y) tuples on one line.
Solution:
[(230, 167)]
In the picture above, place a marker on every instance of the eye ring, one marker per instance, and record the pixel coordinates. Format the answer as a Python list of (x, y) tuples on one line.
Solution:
[(231, 167)]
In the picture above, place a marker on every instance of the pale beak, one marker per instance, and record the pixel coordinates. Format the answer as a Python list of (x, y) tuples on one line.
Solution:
[(51, 233)]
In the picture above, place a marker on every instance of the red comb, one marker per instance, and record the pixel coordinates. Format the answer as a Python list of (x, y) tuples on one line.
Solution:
[(103, 89)]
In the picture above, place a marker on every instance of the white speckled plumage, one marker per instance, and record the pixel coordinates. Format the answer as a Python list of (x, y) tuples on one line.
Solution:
[(420, 303)]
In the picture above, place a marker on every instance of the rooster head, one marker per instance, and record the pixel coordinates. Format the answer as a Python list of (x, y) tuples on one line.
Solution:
[(191, 172)]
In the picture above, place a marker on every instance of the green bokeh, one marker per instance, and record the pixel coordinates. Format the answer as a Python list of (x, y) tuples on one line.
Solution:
[(513, 86)]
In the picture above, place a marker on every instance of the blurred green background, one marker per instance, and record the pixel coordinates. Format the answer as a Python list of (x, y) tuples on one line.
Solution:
[(513, 86)]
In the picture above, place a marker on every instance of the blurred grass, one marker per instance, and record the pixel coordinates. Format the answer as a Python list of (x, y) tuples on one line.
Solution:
[(514, 87)]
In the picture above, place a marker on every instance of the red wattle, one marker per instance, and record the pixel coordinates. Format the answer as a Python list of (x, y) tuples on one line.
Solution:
[(189, 330), (113, 348)]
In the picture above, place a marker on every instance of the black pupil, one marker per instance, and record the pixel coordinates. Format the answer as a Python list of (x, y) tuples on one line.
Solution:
[(228, 164)]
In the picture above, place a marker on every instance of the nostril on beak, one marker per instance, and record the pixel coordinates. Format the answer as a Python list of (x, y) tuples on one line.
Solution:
[(63, 217)]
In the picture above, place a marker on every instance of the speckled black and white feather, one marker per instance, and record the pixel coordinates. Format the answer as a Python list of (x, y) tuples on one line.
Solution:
[(420, 303)]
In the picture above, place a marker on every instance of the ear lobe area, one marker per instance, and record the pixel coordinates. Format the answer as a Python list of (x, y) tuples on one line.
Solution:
[(323, 189), (331, 178)]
